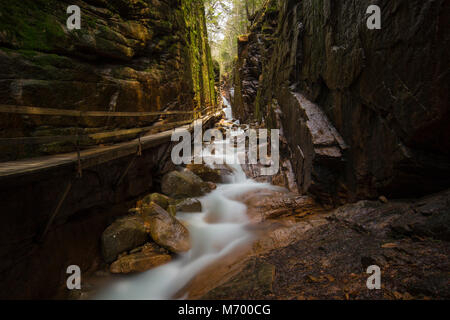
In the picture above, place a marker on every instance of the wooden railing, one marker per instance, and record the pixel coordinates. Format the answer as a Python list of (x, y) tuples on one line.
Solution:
[(93, 138), (76, 113), (91, 157)]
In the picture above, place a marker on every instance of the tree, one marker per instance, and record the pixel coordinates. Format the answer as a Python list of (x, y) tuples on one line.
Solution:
[(226, 20)]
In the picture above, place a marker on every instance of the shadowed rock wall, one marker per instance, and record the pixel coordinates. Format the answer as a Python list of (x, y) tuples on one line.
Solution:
[(385, 91), (145, 55)]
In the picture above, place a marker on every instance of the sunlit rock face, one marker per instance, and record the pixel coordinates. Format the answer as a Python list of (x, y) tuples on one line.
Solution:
[(128, 56), (384, 91)]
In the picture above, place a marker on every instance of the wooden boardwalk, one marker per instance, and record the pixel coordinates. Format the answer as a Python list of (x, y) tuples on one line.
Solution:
[(92, 156)]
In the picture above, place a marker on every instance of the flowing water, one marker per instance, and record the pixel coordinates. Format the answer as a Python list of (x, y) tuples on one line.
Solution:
[(228, 111), (215, 232)]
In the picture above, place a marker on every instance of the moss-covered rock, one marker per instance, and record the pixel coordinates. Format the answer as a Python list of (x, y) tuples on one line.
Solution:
[(128, 56)]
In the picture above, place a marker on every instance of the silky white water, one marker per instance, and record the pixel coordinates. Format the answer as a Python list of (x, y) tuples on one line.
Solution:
[(228, 111), (216, 231)]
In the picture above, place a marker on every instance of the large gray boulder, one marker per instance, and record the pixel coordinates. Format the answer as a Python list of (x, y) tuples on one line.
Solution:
[(165, 229), (123, 235), (184, 184)]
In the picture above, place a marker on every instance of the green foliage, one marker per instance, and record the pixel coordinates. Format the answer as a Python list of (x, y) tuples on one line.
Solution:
[(226, 20)]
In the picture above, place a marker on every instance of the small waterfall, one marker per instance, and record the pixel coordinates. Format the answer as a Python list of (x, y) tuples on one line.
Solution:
[(228, 111)]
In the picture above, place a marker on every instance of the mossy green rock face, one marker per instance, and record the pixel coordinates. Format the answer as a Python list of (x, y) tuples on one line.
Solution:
[(128, 56), (123, 235), (172, 209), (184, 184)]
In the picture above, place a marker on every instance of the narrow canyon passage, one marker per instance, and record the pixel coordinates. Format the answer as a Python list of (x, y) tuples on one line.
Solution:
[(228, 231), (256, 240), (218, 230), (224, 149)]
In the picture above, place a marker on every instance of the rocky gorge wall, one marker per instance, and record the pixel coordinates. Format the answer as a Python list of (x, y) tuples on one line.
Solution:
[(128, 56), (145, 55), (381, 94)]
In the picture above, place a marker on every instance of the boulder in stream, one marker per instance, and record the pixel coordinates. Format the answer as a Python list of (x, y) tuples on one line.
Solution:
[(141, 259), (189, 205), (160, 199), (165, 229), (184, 184), (123, 235), (205, 172)]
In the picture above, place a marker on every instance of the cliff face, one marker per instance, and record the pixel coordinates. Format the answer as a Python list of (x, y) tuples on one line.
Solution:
[(128, 56), (381, 96)]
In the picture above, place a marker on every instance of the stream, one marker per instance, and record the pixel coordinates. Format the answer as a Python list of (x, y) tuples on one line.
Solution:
[(215, 232)]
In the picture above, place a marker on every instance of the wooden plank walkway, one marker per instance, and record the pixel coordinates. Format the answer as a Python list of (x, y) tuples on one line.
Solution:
[(90, 157), (93, 138), (37, 111)]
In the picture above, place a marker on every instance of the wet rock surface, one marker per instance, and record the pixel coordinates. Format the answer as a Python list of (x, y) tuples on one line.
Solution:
[(271, 204), (184, 184), (141, 259), (189, 205), (254, 281), (329, 257), (124, 234), (205, 172), (161, 200), (166, 230)]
